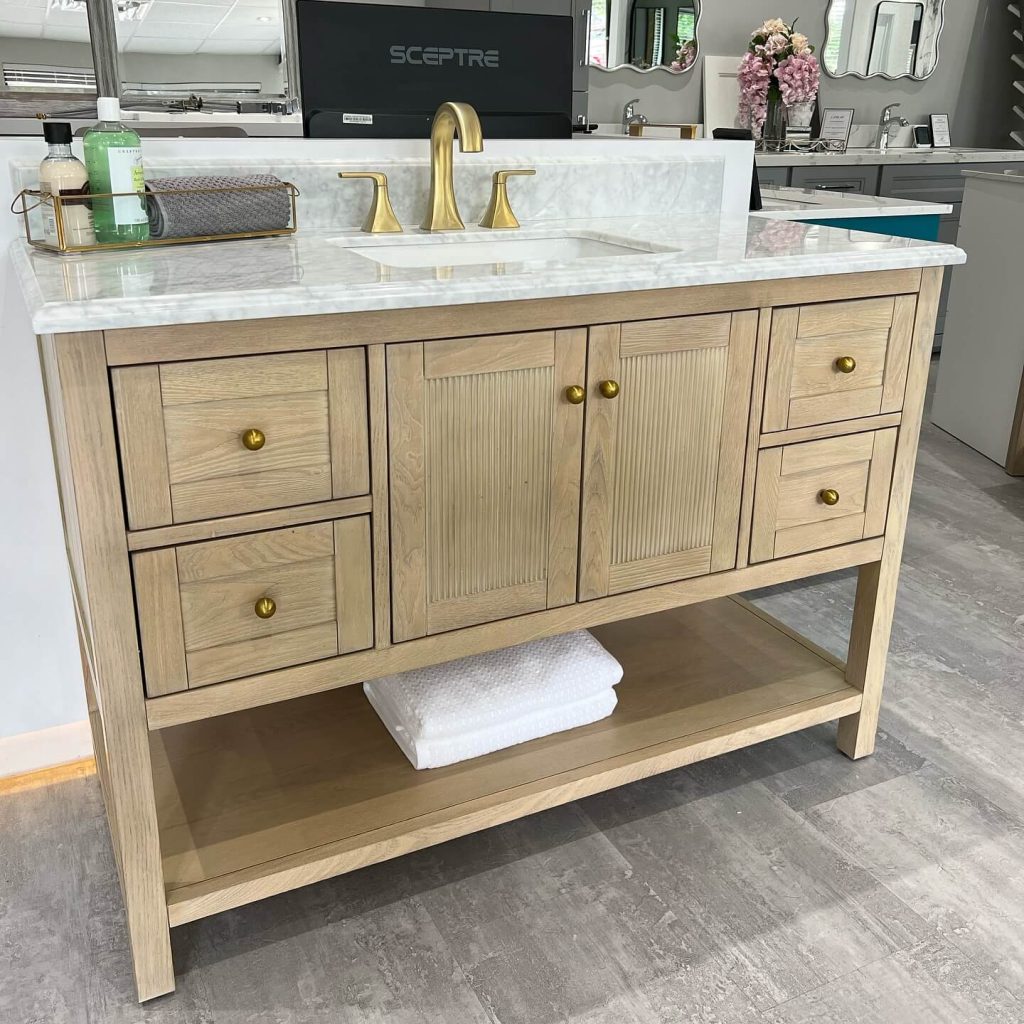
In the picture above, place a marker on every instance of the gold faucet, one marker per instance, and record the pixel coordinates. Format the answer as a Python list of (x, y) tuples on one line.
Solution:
[(443, 211)]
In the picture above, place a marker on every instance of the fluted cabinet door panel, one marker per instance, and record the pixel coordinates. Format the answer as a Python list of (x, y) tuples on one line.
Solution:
[(664, 456), (485, 454)]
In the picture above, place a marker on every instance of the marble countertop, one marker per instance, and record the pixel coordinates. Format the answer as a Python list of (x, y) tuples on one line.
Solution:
[(309, 272), (808, 204), (855, 157), (1014, 177)]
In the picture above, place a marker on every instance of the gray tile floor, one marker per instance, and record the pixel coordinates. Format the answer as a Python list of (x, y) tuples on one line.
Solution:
[(778, 885)]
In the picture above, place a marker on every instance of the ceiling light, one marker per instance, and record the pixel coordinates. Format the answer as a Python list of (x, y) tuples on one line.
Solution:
[(264, 18)]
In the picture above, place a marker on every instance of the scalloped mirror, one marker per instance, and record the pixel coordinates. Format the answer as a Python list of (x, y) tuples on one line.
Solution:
[(645, 35), (882, 38)]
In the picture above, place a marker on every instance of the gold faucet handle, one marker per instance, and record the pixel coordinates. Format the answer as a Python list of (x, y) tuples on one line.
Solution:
[(499, 211), (381, 219)]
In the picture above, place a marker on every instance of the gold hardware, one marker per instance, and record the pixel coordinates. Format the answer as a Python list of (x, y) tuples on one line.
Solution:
[(381, 219), (846, 364), (499, 211), (254, 439), (265, 607), (829, 496), (609, 388), (61, 203), (442, 210), (574, 394)]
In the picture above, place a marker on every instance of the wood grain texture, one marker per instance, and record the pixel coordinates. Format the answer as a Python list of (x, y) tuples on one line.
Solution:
[(342, 330), (877, 583), (489, 354), (336, 786), (901, 338), (349, 417), (407, 484), (353, 574), (821, 430), (785, 323), (379, 483), (821, 321), (252, 522), (147, 487), (220, 380), (757, 400), (736, 417), (653, 337), (766, 505), (79, 397), (158, 605), (271, 687)]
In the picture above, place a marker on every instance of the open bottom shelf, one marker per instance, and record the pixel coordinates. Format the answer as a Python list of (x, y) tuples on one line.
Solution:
[(265, 800)]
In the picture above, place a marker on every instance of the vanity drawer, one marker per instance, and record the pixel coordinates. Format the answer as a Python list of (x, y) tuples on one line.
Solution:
[(821, 493), (220, 437), (837, 361), (221, 609)]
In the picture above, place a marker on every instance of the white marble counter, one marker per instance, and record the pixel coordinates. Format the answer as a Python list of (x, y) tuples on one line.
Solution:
[(893, 155), (325, 273), (816, 204)]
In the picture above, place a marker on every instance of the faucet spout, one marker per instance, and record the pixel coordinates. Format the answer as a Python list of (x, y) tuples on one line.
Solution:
[(449, 120)]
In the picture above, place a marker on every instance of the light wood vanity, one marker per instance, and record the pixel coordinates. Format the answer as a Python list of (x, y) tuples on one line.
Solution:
[(261, 514)]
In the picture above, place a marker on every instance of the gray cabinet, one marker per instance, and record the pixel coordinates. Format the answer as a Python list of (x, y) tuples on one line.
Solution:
[(773, 177), (858, 178)]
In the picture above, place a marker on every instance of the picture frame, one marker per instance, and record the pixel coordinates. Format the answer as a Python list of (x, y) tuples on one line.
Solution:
[(836, 124), (940, 131)]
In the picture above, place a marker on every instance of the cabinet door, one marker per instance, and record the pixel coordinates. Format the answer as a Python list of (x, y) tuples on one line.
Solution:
[(663, 460), (485, 451)]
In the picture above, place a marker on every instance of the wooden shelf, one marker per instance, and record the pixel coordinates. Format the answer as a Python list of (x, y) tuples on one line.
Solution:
[(265, 800)]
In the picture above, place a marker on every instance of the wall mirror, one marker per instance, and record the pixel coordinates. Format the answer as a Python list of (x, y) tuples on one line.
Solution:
[(887, 38), (230, 54), (646, 35)]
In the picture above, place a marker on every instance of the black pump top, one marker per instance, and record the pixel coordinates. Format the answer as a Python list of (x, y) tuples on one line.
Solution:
[(57, 133)]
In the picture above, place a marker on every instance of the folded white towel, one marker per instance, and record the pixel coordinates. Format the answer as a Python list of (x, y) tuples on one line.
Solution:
[(472, 706), (472, 693), (441, 750)]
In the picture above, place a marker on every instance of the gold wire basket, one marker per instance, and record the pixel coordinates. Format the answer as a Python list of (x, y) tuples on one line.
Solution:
[(30, 200)]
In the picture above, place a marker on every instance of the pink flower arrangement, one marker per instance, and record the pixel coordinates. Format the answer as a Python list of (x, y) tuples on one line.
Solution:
[(685, 56), (799, 77), (778, 59)]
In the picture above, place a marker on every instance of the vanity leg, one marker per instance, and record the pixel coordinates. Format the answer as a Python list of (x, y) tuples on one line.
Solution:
[(877, 581), (85, 453)]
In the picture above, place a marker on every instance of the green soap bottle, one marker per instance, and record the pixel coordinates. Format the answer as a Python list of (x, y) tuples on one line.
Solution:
[(113, 159)]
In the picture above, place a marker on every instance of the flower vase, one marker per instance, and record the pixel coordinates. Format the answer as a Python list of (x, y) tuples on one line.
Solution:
[(798, 118), (774, 133)]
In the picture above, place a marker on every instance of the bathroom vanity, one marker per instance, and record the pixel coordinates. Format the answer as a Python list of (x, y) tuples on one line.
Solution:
[(425, 447)]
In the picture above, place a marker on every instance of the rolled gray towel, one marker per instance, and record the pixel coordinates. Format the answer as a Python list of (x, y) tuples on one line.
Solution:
[(176, 214)]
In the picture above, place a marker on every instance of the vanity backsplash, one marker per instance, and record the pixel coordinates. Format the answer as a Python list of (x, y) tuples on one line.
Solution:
[(575, 178)]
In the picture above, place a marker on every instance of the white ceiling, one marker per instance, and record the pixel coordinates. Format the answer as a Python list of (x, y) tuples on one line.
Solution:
[(170, 26)]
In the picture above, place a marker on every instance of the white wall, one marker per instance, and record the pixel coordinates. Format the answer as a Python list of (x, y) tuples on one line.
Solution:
[(972, 82)]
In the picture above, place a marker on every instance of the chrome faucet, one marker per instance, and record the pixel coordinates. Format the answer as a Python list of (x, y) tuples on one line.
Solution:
[(886, 123), (443, 211), (630, 116)]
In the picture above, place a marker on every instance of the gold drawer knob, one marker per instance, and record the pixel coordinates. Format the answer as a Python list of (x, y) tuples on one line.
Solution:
[(846, 364), (254, 439), (609, 388), (265, 607), (574, 394), (829, 496)]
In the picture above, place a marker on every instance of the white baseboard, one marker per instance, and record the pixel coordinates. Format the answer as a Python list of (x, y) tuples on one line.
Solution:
[(30, 751)]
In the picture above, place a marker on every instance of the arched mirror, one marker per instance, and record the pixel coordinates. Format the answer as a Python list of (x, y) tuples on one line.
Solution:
[(646, 35), (887, 38)]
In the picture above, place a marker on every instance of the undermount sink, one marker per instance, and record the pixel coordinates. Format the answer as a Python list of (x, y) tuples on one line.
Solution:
[(428, 251)]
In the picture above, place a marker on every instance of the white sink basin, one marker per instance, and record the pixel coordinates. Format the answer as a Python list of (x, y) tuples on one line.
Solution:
[(438, 252)]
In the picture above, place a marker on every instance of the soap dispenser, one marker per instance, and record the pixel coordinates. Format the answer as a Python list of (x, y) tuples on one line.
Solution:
[(62, 174), (113, 158)]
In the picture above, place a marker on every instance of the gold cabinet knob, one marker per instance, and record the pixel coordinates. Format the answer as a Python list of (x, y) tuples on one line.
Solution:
[(574, 394), (829, 496), (846, 364), (265, 607), (254, 439), (609, 388)]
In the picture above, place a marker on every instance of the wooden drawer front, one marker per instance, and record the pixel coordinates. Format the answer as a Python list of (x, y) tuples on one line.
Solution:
[(790, 515), (197, 603), (805, 385), (181, 431)]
